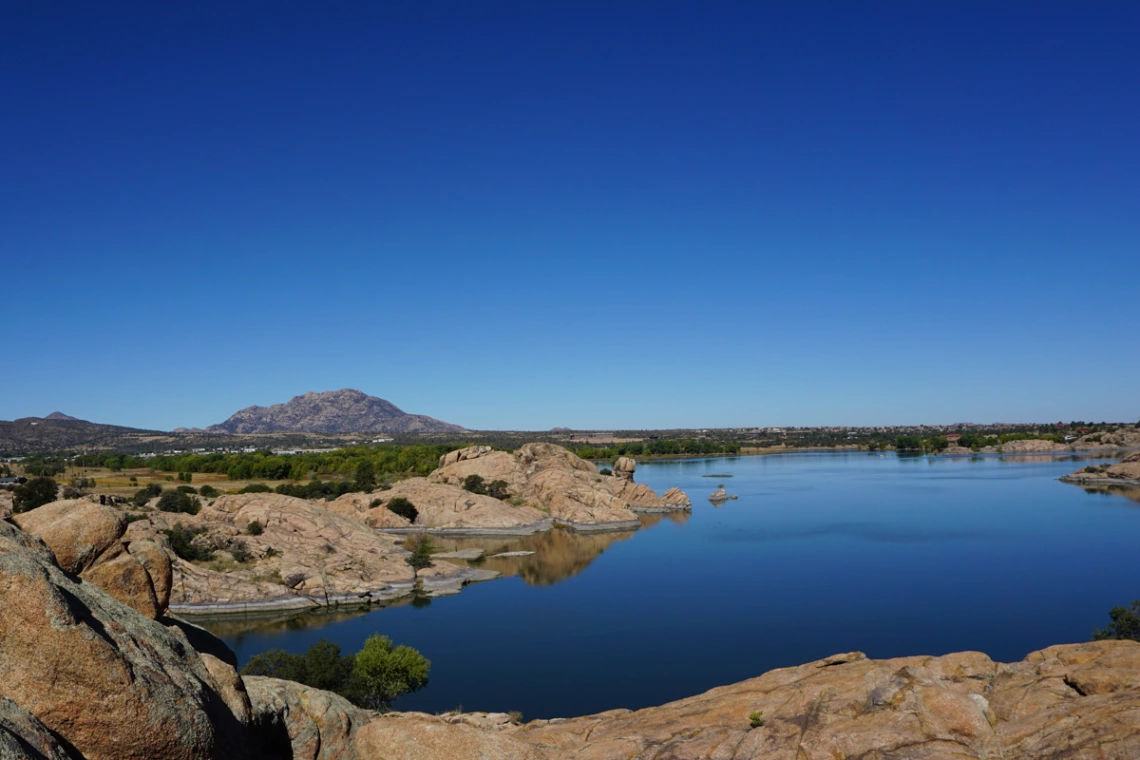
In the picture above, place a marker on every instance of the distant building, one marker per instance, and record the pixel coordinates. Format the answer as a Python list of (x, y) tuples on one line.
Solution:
[(953, 437)]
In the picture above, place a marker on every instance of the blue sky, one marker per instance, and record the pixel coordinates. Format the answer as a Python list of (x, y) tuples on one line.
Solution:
[(522, 215)]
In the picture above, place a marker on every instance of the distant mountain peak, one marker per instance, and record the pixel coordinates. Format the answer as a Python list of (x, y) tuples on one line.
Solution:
[(344, 411), (62, 416)]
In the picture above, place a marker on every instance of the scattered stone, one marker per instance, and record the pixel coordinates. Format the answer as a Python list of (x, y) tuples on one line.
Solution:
[(500, 555)]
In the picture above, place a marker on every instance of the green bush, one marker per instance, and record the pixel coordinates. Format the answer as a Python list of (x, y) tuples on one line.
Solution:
[(420, 545), (178, 501), (208, 491), (756, 719), (256, 488), (181, 539), (474, 484), (373, 678), (239, 551), (186, 489), (497, 489), (255, 528), (35, 493), (381, 672), (403, 508), (145, 494)]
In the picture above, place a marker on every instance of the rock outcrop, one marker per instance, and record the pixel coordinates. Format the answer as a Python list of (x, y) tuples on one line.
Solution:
[(88, 539), (1123, 438), (624, 468), (1073, 701), (443, 506), (1034, 446), (552, 479), (304, 556), (113, 683), (302, 723), (1124, 473), (5, 505)]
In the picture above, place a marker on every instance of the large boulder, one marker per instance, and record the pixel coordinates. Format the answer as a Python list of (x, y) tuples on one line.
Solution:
[(111, 682), (302, 723), (89, 539), (624, 468)]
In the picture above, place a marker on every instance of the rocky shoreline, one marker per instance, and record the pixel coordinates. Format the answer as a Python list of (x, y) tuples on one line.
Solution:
[(94, 667), (1124, 473), (86, 676), (273, 553)]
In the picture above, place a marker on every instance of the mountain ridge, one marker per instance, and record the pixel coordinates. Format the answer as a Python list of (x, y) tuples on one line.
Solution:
[(343, 411)]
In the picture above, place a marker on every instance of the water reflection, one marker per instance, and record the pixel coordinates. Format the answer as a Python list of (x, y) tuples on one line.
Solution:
[(557, 556), (1132, 493)]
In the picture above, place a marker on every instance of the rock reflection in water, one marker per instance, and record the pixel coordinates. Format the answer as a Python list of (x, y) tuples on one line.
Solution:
[(1132, 493), (557, 556)]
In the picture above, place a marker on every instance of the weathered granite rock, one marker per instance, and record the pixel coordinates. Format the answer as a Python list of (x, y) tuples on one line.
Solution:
[(449, 507), (1126, 472), (5, 504), (425, 737), (554, 480), (624, 468), (88, 539), (1033, 446), (1072, 701), (1124, 438), (305, 556), (22, 737), (302, 723), (113, 683), (675, 497), (78, 531)]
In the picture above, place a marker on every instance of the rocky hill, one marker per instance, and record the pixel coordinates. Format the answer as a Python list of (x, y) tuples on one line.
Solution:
[(53, 433), (343, 411)]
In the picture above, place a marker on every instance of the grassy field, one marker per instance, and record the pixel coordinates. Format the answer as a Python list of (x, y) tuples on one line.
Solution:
[(120, 483)]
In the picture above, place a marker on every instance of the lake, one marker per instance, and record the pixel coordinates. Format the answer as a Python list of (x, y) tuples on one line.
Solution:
[(821, 553)]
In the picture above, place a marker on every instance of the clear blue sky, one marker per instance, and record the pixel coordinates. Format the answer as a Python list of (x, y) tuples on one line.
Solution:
[(522, 215)]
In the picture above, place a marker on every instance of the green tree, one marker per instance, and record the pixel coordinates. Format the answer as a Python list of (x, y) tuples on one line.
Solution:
[(35, 493), (1125, 623), (382, 672), (365, 476), (178, 501)]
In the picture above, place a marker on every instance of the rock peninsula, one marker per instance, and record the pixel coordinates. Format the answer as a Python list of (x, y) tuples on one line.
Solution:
[(1126, 472)]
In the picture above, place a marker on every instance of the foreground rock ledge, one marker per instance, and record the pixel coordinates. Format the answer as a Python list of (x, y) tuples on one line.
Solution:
[(1071, 701)]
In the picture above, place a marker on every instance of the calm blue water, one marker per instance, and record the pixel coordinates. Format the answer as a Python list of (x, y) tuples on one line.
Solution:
[(821, 553)]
